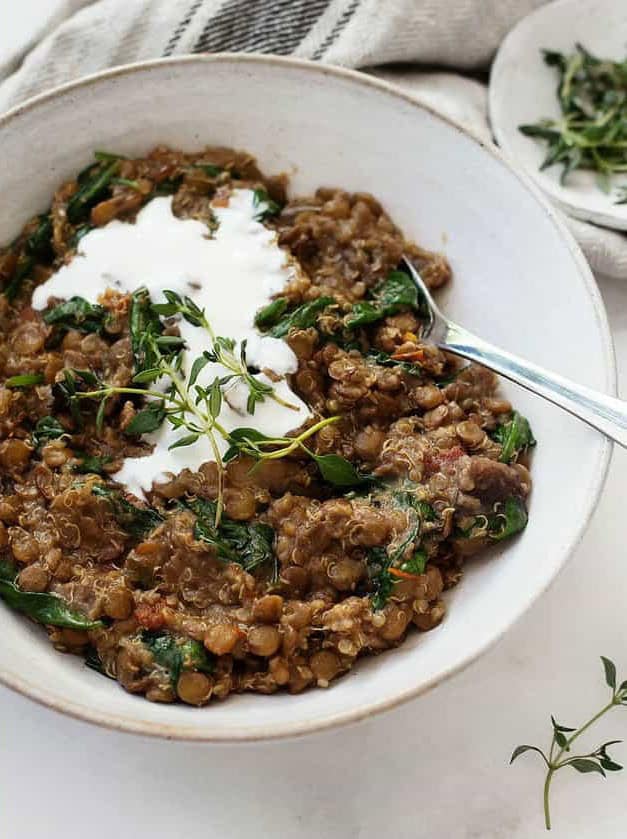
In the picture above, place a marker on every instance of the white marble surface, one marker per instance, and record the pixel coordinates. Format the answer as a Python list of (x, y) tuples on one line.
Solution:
[(433, 769)]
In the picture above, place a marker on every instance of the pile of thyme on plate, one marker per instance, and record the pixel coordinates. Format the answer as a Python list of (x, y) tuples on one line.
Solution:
[(592, 131)]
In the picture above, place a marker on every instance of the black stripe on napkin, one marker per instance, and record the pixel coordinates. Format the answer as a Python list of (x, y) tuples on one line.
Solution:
[(337, 29), (267, 26), (181, 28)]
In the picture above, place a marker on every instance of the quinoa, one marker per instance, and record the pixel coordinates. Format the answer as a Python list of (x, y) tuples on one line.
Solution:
[(353, 571)]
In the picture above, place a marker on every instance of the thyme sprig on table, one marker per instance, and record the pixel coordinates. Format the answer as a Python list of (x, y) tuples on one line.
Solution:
[(592, 130), (560, 751)]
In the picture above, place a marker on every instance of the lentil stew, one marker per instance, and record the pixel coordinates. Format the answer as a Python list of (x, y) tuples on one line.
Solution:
[(279, 562)]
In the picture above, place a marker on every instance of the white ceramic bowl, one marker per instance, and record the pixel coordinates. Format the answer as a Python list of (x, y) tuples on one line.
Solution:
[(519, 280), (522, 90)]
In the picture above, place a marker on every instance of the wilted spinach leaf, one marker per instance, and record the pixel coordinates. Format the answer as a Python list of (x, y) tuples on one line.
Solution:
[(398, 290), (416, 564), (176, 654), (77, 313), (381, 581), (81, 231), (36, 248), (380, 560), (340, 472), (47, 428), (92, 189), (168, 186), (25, 265), (210, 169), (408, 500), (510, 518), (271, 314), (137, 521), (385, 360), (249, 544), (39, 243), (92, 464), (395, 292), (279, 322), (265, 206), (515, 436), (94, 662), (42, 607)]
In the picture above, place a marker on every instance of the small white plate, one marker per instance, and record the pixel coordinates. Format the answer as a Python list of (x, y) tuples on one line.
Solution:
[(523, 90)]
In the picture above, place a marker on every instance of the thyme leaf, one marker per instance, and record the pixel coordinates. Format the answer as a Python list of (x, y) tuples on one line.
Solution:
[(334, 468), (560, 755), (508, 518), (24, 380)]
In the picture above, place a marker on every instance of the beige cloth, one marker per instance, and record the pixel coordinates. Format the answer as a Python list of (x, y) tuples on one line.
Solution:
[(460, 34)]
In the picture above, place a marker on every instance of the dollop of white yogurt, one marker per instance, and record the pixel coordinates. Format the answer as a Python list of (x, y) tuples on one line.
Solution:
[(230, 274)]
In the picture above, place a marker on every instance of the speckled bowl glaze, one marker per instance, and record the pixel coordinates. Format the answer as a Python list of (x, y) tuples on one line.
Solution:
[(519, 280)]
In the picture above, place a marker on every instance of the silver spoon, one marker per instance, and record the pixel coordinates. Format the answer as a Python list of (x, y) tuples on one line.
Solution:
[(605, 413)]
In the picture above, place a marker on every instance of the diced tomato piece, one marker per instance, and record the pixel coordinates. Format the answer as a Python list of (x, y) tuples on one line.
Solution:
[(150, 616)]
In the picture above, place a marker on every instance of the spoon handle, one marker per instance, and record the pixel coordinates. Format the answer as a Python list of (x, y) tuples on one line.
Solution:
[(605, 413)]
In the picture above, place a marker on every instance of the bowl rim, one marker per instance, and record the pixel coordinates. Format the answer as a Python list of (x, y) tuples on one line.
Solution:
[(281, 730)]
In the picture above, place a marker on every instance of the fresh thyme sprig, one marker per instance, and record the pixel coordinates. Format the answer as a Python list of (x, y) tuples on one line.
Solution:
[(563, 738), (592, 130), (222, 351), (188, 406), (255, 444), (334, 468)]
